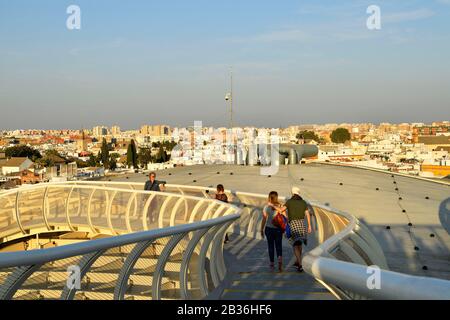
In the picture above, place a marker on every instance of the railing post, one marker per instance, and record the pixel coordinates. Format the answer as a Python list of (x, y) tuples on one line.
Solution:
[(19, 223), (44, 208), (67, 210), (89, 217), (127, 214), (127, 269), (16, 279), (84, 264), (162, 211), (108, 213), (162, 260), (186, 260)]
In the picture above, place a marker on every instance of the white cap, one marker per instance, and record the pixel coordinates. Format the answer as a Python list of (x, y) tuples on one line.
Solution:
[(295, 190)]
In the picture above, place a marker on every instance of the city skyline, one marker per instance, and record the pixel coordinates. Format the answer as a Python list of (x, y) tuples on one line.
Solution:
[(296, 62), (117, 126)]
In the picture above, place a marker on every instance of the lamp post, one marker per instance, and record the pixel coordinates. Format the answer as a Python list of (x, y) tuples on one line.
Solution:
[(229, 97)]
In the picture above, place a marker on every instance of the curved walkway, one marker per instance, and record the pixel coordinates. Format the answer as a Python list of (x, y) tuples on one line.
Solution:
[(422, 248)]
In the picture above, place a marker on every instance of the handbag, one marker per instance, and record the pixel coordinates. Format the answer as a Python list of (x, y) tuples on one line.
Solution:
[(288, 231), (280, 221)]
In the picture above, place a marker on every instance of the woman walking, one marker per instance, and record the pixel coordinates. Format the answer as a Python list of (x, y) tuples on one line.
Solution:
[(273, 233)]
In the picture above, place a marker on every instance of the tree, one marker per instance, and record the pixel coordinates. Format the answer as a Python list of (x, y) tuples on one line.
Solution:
[(340, 135), (23, 151), (161, 157), (308, 135), (93, 161), (132, 159), (104, 154), (113, 164), (145, 156)]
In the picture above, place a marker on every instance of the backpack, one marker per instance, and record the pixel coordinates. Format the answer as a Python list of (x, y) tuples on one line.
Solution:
[(280, 221)]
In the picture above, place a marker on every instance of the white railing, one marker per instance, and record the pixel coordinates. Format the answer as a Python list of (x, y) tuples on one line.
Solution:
[(159, 245), (346, 246)]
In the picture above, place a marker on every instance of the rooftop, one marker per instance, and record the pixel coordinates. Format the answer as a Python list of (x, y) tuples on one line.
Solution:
[(378, 199), (13, 162)]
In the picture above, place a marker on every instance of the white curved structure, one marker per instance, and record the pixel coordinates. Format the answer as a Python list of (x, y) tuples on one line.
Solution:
[(170, 245)]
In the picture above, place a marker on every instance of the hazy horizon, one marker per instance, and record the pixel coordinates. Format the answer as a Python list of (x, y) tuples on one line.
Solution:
[(153, 62)]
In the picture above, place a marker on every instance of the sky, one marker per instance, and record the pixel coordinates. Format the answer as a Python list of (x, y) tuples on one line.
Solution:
[(168, 62)]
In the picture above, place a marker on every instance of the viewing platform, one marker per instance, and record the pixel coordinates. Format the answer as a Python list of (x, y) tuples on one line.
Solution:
[(126, 243)]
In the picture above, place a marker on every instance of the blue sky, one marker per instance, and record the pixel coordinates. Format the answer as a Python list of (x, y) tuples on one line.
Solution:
[(136, 62)]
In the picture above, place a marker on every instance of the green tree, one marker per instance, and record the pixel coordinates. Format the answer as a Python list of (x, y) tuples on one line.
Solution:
[(340, 135), (93, 161), (23, 151), (52, 152), (145, 156), (113, 164), (308, 135), (104, 154), (132, 159)]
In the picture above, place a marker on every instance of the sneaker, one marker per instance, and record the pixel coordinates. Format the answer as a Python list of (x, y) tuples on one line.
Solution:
[(300, 269)]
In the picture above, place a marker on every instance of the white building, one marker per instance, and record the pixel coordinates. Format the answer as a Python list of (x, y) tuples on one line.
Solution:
[(14, 165)]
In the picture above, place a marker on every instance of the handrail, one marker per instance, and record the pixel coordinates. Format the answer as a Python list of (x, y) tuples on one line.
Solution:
[(353, 278), (201, 238), (23, 258)]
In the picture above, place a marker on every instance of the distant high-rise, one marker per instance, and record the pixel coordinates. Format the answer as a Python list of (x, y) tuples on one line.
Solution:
[(99, 131), (155, 130), (115, 130)]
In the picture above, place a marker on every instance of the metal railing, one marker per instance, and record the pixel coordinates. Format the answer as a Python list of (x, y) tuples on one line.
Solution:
[(346, 246), (146, 245)]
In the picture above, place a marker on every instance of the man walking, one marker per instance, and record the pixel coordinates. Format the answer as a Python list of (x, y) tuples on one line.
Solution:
[(297, 209)]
